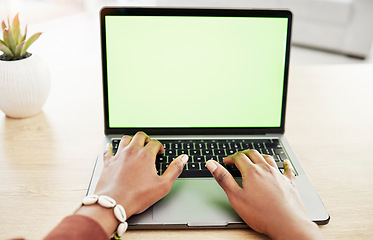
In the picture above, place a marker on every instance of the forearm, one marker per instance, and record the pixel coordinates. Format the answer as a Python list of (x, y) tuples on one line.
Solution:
[(77, 227), (102, 216)]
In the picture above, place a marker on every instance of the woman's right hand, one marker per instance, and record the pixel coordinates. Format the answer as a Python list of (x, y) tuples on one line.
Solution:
[(268, 201)]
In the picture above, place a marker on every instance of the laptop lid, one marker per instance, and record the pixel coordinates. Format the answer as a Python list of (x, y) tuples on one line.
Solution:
[(195, 71)]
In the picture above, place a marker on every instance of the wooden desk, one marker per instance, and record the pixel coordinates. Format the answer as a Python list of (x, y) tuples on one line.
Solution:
[(46, 161)]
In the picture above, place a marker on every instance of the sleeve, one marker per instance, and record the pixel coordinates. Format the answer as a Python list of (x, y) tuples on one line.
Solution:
[(77, 227)]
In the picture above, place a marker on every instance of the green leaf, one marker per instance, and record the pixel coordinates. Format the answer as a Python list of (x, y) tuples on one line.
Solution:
[(16, 32), (6, 50), (8, 39), (32, 39), (19, 49), (24, 36)]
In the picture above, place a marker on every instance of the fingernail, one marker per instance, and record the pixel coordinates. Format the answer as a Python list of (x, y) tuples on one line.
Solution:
[(211, 166), (286, 161), (185, 158)]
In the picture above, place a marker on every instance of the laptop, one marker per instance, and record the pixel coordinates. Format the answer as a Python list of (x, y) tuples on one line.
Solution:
[(204, 82)]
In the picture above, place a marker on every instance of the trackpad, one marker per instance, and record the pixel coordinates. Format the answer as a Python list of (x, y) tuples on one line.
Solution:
[(195, 201)]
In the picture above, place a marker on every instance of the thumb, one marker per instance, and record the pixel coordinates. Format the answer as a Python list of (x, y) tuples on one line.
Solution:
[(175, 168), (222, 176)]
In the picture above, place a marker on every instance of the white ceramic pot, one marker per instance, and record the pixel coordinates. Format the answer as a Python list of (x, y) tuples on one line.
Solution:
[(24, 86)]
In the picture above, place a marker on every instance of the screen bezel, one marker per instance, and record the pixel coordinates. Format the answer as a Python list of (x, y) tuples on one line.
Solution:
[(151, 11)]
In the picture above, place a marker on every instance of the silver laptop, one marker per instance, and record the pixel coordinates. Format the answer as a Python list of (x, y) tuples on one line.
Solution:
[(207, 83)]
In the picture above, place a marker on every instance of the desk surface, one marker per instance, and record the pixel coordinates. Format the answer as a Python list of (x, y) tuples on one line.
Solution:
[(46, 161)]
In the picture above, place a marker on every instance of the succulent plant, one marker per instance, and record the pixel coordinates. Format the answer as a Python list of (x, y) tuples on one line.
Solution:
[(14, 44)]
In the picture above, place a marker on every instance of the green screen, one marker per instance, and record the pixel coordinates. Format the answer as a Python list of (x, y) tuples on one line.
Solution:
[(195, 71)]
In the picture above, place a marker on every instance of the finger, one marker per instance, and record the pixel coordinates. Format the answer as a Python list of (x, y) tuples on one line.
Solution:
[(155, 147), (289, 171), (254, 156), (140, 139), (222, 176), (175, 169), (108, 153), (242, 162), (124, 141), (269, 159)]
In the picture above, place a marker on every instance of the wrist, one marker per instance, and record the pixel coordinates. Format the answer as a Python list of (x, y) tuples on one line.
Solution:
[(301, 229), (102, 216), (102, 209)]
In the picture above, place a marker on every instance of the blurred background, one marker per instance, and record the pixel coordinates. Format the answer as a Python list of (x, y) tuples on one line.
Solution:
[(324, 31)]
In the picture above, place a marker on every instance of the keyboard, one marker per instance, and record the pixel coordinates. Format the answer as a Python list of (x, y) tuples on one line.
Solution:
[(200, 151)]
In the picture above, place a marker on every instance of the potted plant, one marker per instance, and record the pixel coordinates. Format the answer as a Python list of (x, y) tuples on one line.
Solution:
[(24, 77)]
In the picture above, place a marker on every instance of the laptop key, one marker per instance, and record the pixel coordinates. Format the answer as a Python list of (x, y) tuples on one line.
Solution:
[(193, 167), (201, 145), (206, 152), (183, 151), (164, 167), (219, 152), (194, 174), (273, 145), (195, 152), (212, 145), (247, 145), (280, 165), (188, 145), (161, 158), (236, 145), (115, 143), (281, 154), (230, 151), (170, 152), (209, 157), (258, 145), (276, 158), (175, 145), (223, 145), (199, 158), (220, 159), (266, 151)]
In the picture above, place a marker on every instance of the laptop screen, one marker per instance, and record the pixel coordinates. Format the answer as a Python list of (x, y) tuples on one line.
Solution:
[(191, 71)]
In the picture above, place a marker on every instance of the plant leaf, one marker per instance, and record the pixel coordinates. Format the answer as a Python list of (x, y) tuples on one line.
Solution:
[(19, 49), (3, 25), (8, 39), (32, 39), (24, 36), (6, 50), (16, 30)]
